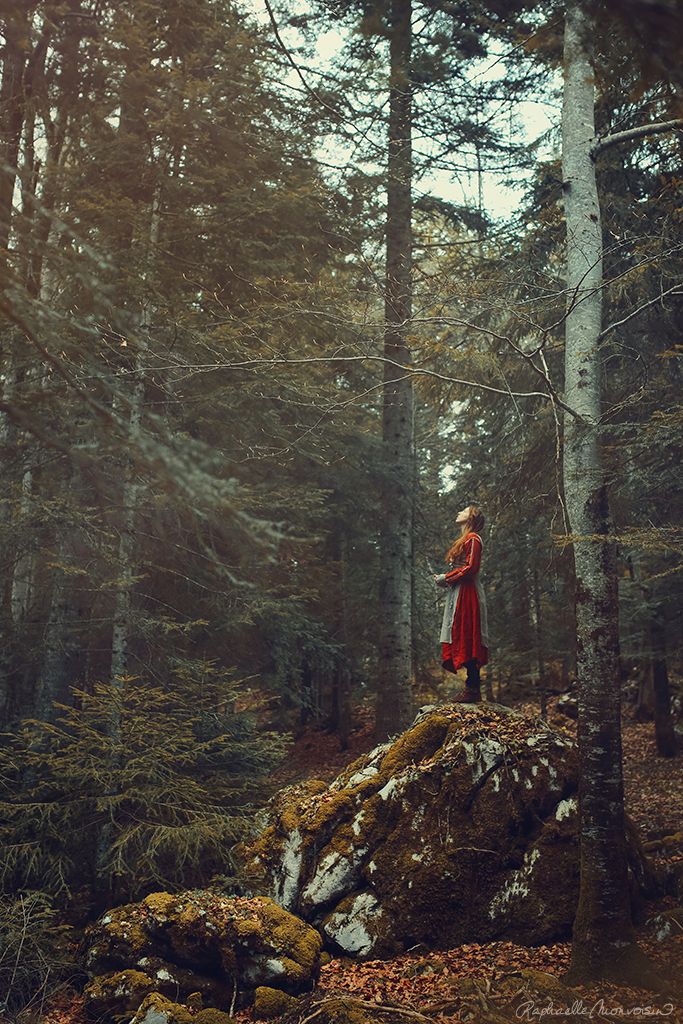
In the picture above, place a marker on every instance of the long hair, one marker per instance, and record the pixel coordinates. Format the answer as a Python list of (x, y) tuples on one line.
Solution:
[(473, 524)]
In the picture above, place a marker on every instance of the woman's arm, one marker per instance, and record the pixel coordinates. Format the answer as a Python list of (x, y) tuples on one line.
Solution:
[(471, 566)]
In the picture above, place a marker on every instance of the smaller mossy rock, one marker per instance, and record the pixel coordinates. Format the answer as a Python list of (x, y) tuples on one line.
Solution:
[(271, 1002), (195, 1001), (120, 992), (157, 1009), (167, 978), (212, 1016), (202, 942)]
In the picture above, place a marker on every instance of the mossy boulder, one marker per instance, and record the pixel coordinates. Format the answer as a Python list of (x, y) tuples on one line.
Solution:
[(463, 829), (200, 942)]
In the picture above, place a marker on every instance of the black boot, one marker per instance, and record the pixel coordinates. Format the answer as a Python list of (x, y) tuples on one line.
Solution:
[(471, 694), (473, 673)]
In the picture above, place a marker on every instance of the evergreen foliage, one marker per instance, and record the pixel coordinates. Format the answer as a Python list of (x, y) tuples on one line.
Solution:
[(179, 785)]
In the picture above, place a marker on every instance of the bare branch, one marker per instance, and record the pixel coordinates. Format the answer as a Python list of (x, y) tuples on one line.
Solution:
[(675, 289), (641, 132), (416, 371)]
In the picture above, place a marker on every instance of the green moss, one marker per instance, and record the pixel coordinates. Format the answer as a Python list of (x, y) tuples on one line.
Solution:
[(246, 928), (212, 1016), (333, 807), (271, 1002), (299, 942), (296, 801), (160, 903), (124, 983), (174, 1012), (290, 818), (420, 742), (126, 926)]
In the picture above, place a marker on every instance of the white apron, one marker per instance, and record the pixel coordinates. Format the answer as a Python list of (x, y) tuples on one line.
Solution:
[(446, 635)]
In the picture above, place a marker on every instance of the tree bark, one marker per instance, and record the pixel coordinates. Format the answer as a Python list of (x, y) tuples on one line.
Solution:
[(394, 697), (540, 660), (665, 735), (58, 639), (603, 940), (12, 106)]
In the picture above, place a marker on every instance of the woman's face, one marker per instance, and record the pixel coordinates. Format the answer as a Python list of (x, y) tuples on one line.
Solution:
[(464, 515)]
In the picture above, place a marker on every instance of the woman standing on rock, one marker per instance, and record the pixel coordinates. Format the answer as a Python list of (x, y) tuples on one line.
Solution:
[(464, 628)]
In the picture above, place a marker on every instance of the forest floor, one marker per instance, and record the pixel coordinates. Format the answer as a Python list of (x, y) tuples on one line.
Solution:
[(462, 985)]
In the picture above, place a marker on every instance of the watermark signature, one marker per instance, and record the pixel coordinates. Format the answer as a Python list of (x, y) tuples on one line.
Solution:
[(532, 1010)]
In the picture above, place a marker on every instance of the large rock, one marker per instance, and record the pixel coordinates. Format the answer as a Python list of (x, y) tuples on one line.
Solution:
[(197, 942), (463, 829)]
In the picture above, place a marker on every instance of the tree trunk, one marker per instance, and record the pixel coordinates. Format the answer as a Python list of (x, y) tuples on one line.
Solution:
[(59, 640), (665, 735), (342, 714), (540, 661), (12, 106), (22, 572), (603, 940), (131, 126), (394, 697)]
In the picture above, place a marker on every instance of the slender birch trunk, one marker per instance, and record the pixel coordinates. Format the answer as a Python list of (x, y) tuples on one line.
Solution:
[(603, 940), (12, 107), (394, 697)]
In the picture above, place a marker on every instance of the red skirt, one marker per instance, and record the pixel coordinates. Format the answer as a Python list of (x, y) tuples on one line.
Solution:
[(466, 643)]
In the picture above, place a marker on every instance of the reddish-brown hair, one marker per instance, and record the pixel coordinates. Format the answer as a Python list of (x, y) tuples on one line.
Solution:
[(473, 524)]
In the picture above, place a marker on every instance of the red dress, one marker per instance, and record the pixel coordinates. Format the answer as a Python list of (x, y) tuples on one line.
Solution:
[(469, 630)]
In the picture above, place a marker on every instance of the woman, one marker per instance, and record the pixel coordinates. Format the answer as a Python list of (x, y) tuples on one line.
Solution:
[(464, 629)]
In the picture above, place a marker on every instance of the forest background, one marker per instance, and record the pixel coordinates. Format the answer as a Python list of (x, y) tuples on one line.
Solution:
[(196, 518)]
